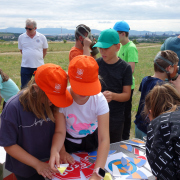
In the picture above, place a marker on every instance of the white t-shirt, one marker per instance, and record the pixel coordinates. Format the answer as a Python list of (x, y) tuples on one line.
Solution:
[(81, 120), (32, 49)]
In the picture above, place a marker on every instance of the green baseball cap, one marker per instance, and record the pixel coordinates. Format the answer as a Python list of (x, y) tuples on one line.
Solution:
[(107, 38)]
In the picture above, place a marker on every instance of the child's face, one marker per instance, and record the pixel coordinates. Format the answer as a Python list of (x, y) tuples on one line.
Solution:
[(108, 54)]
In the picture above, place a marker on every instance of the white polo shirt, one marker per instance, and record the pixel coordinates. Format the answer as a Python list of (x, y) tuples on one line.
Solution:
[(32, 49)]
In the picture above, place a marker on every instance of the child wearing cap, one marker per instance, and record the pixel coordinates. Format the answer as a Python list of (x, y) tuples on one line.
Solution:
[(87, 120), (165, 68), (128, 52), (116, 80), (27, 125)]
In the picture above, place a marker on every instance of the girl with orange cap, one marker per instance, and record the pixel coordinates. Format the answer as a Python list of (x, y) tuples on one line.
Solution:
[(27, 125), (86, 122)]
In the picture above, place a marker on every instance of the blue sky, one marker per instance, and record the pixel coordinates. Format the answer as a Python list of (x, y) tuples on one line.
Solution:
[(150, 15)]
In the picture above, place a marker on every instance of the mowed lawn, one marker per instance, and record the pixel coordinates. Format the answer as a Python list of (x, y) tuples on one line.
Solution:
[(10, 63)]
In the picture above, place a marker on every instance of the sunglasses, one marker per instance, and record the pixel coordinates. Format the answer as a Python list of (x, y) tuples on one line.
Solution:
[(29, 28)]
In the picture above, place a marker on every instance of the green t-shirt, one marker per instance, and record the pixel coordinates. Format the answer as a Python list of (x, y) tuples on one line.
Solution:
[(129, 53)]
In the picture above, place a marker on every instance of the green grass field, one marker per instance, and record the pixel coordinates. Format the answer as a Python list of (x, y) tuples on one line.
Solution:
[(58, 54)]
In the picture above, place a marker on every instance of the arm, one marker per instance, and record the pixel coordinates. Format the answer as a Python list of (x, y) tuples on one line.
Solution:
[(120, 97), (21, 51), (132, 64), (58, 139), (44, 53), (0, 99), (86, 48), (104, 143), (23, 156)]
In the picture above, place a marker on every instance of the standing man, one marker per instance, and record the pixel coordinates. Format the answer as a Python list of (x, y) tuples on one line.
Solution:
[(84, 43), (173, 44), (33, 47), (128, 52)]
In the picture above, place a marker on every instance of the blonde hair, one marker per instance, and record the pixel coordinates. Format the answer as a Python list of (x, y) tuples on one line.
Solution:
[(161, 99), (36, 102)]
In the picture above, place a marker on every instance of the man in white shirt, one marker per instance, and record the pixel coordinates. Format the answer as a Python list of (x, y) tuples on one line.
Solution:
[(33, 47)]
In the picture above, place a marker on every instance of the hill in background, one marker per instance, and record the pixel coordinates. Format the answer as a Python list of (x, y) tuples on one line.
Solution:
[(63, 31)]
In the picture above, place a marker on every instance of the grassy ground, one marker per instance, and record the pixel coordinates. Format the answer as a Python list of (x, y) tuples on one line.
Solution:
[(11, 63)]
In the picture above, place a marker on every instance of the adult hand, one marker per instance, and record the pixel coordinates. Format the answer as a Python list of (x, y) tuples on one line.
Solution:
[(44, 169), (108, 95)]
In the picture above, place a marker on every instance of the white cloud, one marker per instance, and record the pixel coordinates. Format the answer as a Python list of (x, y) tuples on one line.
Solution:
[(149, 15)]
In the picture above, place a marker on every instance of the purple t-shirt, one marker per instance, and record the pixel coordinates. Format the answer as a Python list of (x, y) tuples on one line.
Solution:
[(25, 129)]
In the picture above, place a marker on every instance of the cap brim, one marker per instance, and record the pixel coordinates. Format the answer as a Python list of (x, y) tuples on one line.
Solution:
[(61, 100), (102, 45), (86, 89)]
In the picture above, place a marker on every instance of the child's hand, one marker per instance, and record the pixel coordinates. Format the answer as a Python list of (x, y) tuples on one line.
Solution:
[(108, 95), (66, 158), (87, 42), (44, 169), (54, 160), (177, 83), (95, 177)]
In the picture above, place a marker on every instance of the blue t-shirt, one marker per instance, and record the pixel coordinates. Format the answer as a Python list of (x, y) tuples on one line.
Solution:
[(26, 130), (146, 85), (8, 89)]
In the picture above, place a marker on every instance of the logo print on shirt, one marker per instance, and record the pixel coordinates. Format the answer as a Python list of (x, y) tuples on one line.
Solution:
[(79, 73), (37, 40), (57, 88)]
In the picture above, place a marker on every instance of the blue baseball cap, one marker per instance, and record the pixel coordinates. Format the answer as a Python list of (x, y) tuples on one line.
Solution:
[(107, 38), (121, 26)]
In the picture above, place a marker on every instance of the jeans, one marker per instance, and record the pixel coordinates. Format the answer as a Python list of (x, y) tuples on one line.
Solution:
[(139, 134), (26, 74)]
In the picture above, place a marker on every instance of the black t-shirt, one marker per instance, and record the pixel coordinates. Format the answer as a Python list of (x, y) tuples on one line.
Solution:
[(26, 130), (163, 146), (114, 77)]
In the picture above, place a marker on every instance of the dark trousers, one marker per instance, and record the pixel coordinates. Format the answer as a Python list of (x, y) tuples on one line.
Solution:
[(89, 143), (34, 177), (127, 116), (116, 131), (26, 74)]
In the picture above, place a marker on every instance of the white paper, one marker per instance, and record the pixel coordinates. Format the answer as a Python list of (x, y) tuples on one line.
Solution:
[(116, 172), (119, 156), (2, 155)]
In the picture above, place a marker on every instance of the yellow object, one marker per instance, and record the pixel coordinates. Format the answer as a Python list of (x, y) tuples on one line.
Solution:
[(107, 176), (61, 169)]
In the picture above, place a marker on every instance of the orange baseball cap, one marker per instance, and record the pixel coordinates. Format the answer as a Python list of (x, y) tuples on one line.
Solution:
[(83, 75), (52, 79)]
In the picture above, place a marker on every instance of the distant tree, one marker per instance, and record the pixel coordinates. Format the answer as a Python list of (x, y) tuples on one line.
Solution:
[(135, 41), (64, 41)]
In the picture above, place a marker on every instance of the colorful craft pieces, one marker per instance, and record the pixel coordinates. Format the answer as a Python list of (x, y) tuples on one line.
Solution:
[(137, 175), (142, 157), (115, 171), (138, 152), (124, 161), (127, 147), (93, 154), (72, 172), (137, 162), (137, 142), (128, 168), (62, 168)]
